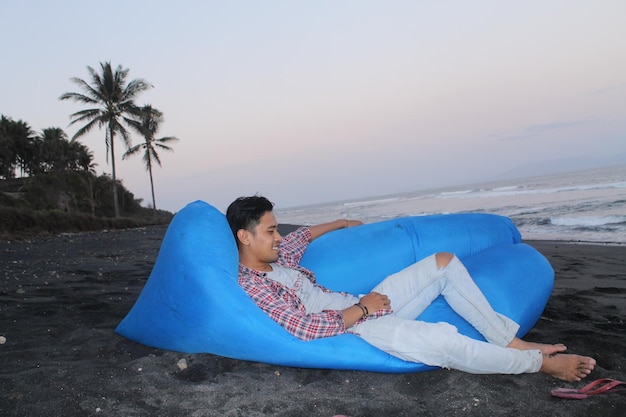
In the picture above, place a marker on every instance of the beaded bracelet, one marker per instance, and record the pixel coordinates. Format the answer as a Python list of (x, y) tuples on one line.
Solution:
[(364, 309)]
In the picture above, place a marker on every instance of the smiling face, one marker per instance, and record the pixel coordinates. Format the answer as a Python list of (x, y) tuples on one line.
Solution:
[(259, 248)]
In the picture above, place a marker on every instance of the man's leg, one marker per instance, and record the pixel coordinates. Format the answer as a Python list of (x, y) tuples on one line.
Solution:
[(440, 344), (414, 288)]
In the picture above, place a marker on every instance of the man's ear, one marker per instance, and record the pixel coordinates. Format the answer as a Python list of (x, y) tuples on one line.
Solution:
[(243, 236)]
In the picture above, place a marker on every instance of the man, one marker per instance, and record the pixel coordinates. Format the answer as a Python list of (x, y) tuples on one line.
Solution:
[(270, 273)]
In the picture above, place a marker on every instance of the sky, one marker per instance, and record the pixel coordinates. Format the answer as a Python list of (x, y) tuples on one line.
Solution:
[(307, 102)]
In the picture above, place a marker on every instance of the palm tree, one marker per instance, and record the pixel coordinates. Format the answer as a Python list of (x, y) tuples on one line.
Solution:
[(57, 153), (18, 147), (114, 103), (8, 151), (52, 150), (147, 125)]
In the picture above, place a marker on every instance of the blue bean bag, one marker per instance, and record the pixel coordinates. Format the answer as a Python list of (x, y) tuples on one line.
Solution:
[(192, 302)]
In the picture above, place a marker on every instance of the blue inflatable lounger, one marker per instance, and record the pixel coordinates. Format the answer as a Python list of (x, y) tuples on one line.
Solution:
[(192, 303)]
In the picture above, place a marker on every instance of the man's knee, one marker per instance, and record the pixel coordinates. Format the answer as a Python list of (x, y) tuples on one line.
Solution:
[(443, 259)]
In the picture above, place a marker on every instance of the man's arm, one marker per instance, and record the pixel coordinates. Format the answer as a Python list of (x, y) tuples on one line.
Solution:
[(289, 314), (320, 229)]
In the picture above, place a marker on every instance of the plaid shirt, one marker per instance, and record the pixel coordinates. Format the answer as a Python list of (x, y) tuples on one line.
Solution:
[(281, 303)]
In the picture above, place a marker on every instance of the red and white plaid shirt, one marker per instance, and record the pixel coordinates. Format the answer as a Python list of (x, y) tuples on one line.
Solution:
[(281, 303)]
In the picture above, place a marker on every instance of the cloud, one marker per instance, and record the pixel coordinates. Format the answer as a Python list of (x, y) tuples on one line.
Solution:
[(536, 130), (608, 90)]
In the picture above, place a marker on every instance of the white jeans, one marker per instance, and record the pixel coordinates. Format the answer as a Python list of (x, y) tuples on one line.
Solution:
[(439, 344)]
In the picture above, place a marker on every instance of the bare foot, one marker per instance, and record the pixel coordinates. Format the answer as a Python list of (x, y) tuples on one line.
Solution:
[(546, 349), (567, 367)]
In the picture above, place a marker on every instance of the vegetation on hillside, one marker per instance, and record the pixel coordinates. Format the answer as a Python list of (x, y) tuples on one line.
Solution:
[(71, 201)]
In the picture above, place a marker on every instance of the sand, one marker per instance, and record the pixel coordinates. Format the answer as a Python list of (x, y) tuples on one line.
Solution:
[(62, 296)]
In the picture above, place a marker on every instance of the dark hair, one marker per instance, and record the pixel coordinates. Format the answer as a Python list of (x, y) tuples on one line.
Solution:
[(246, 212)]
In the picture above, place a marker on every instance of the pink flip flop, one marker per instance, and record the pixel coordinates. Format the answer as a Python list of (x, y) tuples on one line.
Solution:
[(598, 386)]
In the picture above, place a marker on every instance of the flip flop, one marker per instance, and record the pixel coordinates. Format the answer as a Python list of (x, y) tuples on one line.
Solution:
[(598, 386)]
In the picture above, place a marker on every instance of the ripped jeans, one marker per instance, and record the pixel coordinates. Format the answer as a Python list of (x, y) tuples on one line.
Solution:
[(412, 290)]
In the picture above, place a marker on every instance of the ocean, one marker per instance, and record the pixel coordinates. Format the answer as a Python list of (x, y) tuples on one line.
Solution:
[(584, 206)]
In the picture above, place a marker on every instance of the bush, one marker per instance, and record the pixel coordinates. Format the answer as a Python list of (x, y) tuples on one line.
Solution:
[(69, 202), (26, 222)]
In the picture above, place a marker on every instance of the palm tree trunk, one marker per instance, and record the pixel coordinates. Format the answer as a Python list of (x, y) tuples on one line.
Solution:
[(152, 189), (92, 197), (115, 199)]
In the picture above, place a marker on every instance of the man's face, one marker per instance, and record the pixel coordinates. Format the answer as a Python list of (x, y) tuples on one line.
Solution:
[(264, 241)]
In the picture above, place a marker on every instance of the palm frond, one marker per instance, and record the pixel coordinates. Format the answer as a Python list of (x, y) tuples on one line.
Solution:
[(79, 98), (86, 115), (85, 129)]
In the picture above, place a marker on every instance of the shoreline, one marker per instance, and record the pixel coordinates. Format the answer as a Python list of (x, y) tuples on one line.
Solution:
[(572, 242), (61, 297), (284, 229)]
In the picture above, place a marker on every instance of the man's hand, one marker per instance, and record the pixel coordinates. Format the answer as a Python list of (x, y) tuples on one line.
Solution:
[(321, 229), (372, 302), (375, 301), (351, 223)]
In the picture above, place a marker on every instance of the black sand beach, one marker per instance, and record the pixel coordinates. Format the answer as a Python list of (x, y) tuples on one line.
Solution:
[(62, 296)]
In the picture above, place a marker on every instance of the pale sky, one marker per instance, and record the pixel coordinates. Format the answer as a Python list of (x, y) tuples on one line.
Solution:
[(318, 101)]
